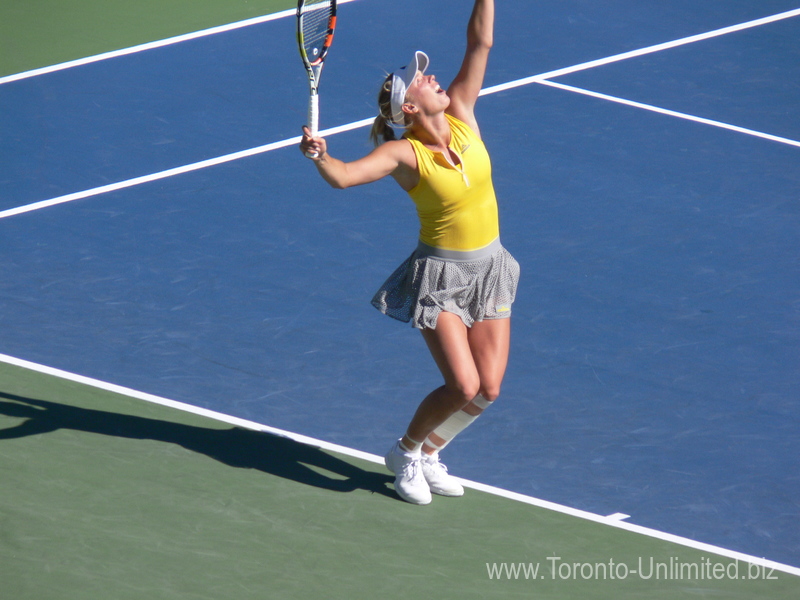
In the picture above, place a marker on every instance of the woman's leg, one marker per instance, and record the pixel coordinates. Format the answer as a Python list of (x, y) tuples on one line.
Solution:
[(489, 344), (450, 347), (473, 361)]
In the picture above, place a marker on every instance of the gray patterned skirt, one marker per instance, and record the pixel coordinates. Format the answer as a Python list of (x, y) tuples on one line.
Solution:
[(475, 285)]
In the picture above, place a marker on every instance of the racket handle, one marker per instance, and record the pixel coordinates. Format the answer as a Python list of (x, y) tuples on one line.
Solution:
[(313, 119)]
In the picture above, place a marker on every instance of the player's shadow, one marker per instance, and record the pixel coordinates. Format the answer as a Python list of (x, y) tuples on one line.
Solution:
[(235, 447)]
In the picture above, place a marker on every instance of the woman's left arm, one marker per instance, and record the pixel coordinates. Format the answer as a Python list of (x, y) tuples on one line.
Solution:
[(467, 85)]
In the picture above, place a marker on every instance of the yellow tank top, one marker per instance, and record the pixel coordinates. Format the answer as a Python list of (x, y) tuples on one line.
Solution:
[(456, 204)]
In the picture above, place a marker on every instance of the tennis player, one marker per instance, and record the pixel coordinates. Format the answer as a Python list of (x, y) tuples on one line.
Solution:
[(458, 286)]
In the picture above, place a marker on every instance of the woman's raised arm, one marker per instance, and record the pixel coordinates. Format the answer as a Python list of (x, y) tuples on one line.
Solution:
[(467, 85)]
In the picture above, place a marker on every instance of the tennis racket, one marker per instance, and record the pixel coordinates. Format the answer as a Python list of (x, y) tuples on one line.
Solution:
[(316, 20)]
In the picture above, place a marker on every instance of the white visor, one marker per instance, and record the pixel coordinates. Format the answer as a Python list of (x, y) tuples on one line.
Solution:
[(403, 78)]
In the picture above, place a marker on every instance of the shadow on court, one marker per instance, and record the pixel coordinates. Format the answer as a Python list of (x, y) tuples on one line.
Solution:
[(240, 448)]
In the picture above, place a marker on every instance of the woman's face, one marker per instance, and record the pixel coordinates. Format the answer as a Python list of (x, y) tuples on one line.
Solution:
[(426, 94)]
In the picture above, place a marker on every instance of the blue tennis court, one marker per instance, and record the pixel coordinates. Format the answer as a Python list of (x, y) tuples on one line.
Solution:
[(646, 159)]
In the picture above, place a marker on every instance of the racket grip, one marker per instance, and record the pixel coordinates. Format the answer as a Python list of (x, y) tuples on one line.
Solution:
[(313, 119), (313, 114)]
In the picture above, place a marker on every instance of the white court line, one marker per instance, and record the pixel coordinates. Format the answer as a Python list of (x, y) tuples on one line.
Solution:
[(286, 13), (143, 47), (616, 520), (151, 45), (641, 52), (671, 113), (112, 187)]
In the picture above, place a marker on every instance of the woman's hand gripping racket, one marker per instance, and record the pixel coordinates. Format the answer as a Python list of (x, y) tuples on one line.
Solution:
[(316, 21)]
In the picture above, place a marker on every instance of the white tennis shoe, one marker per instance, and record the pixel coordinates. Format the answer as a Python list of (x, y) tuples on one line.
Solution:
[(439, 480), (410, 483)]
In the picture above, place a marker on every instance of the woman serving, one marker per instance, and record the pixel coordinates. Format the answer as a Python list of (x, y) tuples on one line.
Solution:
[(458, 286)]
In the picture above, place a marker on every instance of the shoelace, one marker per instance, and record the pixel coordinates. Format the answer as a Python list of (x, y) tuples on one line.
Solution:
[(412, 470), (434, 463)]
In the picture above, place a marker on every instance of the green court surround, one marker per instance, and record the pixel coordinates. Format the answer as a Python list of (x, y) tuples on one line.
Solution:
[(40, 33), (106, 496)]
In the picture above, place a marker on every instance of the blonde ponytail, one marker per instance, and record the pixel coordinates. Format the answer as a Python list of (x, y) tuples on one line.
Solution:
[(381, 131)]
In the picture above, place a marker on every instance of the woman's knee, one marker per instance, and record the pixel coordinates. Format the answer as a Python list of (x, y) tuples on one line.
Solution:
[(464, 390), (490, 391)]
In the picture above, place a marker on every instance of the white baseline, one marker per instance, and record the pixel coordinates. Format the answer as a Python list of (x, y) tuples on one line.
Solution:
[(151, 45)]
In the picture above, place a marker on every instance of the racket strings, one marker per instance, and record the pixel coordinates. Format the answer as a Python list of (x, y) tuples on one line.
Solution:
[(315, 26)]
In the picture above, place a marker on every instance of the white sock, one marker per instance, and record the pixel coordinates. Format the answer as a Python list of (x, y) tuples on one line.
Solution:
[(402, 447)]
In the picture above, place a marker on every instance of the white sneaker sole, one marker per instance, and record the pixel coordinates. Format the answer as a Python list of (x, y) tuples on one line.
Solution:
[(450, 493)]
